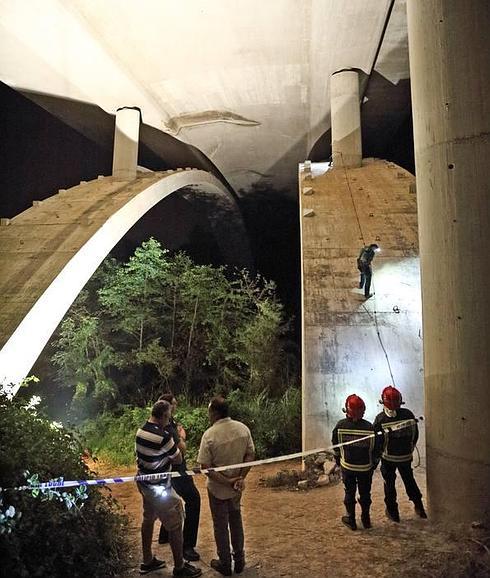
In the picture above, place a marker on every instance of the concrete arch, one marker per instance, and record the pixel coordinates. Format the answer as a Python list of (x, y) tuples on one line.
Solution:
[(50, 251)]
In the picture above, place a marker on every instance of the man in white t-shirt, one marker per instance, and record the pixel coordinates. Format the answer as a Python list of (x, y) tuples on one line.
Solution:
[(226, 442)]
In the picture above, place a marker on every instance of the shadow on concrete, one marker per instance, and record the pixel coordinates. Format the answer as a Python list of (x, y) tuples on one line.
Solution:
[(386, 120), (50, 143)]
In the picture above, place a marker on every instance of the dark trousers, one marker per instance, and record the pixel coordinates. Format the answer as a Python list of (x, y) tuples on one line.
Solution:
[(227, 521), (365, 280), (184, 486), (357, 480), (388, 471)]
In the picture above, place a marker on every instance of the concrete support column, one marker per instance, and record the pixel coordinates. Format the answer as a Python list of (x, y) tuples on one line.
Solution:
[(450, 77), (126, 140), (346, 119)]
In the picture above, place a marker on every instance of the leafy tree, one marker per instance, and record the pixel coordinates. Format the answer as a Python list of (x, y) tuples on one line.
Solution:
[(83, 355), (159, 320)]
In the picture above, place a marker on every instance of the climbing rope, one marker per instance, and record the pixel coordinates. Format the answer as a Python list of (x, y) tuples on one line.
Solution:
[(373, 286)]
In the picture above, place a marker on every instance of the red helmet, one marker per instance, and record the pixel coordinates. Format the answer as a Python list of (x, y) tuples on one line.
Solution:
[(391, 398), (354, 407)]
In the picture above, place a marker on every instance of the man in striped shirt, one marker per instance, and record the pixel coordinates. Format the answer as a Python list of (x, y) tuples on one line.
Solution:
[(155, 452)]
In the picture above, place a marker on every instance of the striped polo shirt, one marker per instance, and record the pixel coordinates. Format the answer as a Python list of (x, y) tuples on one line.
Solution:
[(155, 447)]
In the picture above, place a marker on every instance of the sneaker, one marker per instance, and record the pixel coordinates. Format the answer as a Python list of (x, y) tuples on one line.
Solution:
[(187, 570), (220, 567), (155, 564), (191, 555), (393, 515), (349, 522)]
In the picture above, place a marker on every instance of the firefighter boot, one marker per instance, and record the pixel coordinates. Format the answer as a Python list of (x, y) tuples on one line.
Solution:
[(350, 519), (366, 518), (419, 508), (393, 514)]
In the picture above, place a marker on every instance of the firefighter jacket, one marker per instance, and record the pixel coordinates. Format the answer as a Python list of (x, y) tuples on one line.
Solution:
[(358, 456), (400, 435)]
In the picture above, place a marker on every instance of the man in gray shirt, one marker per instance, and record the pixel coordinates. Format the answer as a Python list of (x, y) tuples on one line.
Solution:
[(225, 443)]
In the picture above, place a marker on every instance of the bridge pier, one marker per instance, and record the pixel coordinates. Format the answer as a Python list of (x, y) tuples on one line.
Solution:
[(346, 119), (126, 141), (450, 76)]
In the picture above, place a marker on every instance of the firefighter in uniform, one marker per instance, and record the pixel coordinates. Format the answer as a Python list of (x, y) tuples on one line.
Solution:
[(400, 433), (357, 460)]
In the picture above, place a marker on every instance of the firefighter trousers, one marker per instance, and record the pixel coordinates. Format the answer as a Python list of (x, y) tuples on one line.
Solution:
[(388, 471), (360, 481)]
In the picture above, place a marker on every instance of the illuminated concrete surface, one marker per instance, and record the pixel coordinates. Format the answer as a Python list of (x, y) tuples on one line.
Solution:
[(342, 353), (246, 81), (452, 152), (49, 252), (126, 141)]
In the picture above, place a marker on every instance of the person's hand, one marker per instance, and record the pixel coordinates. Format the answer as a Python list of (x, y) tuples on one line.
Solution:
[(239, 485), (181, 432)]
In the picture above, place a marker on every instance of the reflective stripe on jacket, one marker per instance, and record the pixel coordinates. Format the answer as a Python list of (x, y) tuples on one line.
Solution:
[(359, 455), (399, 442)]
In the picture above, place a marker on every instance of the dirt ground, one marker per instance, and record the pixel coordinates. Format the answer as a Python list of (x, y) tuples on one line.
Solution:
[(299, 533)]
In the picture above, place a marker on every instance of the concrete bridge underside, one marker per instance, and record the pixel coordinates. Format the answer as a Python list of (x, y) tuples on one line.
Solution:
[(50, 251), (353, 345)]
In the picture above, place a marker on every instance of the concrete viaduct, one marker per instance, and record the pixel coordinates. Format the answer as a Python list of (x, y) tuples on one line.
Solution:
[(261, 108)]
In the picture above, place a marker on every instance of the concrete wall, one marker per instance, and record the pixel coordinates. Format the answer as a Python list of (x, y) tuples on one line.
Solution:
[(342, 352)]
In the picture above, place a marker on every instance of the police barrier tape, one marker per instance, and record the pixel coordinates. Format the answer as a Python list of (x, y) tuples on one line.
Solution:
[(61, 483)]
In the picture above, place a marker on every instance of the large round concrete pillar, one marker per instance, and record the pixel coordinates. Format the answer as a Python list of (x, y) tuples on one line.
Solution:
[(126, 140), (450, 76), (346, 119)]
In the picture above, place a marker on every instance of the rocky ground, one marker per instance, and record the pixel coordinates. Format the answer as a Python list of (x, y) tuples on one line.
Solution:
[(299, 533)]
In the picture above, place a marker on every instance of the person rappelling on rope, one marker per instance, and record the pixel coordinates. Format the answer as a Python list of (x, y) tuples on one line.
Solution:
[(364, 261), (397, 454)]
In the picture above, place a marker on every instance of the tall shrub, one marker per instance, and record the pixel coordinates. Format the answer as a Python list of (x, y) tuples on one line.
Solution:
[(49, 539)]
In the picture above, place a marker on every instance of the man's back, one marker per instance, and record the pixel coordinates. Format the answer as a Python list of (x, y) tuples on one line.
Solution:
[(226, 442)]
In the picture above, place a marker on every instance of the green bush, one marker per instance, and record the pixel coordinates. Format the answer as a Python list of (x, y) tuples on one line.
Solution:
[(110, 436), (49, 539), (275, 424)]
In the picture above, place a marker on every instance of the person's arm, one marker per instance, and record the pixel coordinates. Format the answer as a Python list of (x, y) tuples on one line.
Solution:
[(174, 454), (181, 438), (335, 441), (205, 460), (378, 440), (249, 456), (219, 477), (416, 429)]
